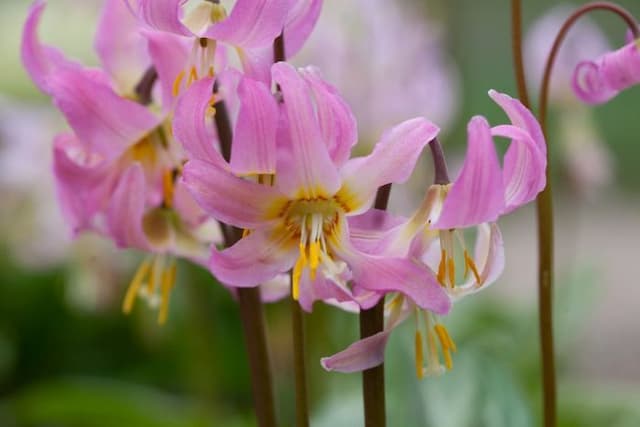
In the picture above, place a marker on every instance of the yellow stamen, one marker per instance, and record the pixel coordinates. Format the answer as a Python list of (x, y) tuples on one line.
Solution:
[(177, 82), (452, 272), (168, 282), (442, 267), (167, 188), (211, 71), (314, 258), (472, 265), (245, 232), (193, 76), (297, 272), (132, 291), (447, 344), (419, 355)]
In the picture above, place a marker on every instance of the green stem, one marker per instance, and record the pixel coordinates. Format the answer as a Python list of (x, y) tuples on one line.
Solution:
[(372, 322)]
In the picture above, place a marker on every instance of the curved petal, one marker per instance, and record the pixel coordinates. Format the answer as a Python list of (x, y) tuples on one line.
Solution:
[(389, 274), (251, 24), (254, 259), (169, 54), (524, 167), (304, 166), (392, 161), (193, 126), (82, 189), (301, 20), (477, 195), (323, 289), (230, 199), (362, 354), (163, 15), (39, 60), (126, 209), (108, 123), (256, 63), (588, 84), (621, 69), (254, 139), (337, 122), (120, 46), (275, 289)]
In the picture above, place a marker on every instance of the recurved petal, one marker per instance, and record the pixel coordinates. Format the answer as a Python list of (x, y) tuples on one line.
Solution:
[(275, 289), (621, 69), (169, 54), (193, 125), (254, 139), (230, 199), (126, 209), (335, 118), (392, 161), (589, 85), (251, 23), (363, 354), (302, 18), (523, 169), (120, 46), (39, 60), (304, 165), (254, 259), (163, 15), (107, 122)]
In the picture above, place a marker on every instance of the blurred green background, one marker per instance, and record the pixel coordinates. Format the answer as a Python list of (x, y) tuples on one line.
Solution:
[(70, 358)]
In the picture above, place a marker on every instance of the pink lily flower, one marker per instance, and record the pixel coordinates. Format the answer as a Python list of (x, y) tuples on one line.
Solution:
[(297, 218), (482, 193), (600, 80), (250, 29)]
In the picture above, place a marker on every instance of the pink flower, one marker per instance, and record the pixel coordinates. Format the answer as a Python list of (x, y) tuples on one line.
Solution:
[(600, 80), (482, 193), (250, 29), (297, 218)]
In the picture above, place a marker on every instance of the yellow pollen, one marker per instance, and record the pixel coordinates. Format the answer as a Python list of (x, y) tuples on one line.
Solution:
[(193, 76), (314, 258), (245, 232), (132, 291), (167, 188), (297, 272), (452, 272), (177, 82), (442, 267), (447, 344), (168, 282), (211, 71), (211, 109), (419, 355), (470, 264)]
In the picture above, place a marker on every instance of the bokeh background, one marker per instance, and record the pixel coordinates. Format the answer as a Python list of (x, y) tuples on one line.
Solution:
[(70, 358)]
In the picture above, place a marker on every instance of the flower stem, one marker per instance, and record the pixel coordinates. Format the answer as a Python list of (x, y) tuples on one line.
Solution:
[(372, 322), (297, 324), (250, 304), (145, 86)]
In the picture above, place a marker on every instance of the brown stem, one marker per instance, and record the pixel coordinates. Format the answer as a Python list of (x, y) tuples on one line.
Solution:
[(440, 171), (145, 86), (372, 322), (545, 216), (250, 304), (299, 365)]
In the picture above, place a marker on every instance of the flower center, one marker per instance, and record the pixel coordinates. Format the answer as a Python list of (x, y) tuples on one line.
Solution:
[(201, 63)]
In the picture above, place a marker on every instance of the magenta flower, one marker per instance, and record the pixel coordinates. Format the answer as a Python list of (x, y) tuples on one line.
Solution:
[(297, 218), (598, 81), (482, 193), (249, 29)]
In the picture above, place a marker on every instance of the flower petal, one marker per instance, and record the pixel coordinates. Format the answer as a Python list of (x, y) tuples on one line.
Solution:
[(392, 161), (301, 20), (39, 60), (193, 127), (477, 195), (122, 52), (362, 354), (169, 54), (389, 274), (304, 166), (275, 289), (108, 123), (337, 122), (254, 259), (230, 199), (251, 23), (254, 139), (524, 167), (126, 209), (163, 15)]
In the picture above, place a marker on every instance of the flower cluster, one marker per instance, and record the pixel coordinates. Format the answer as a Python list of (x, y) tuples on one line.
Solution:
[(215, 129)]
